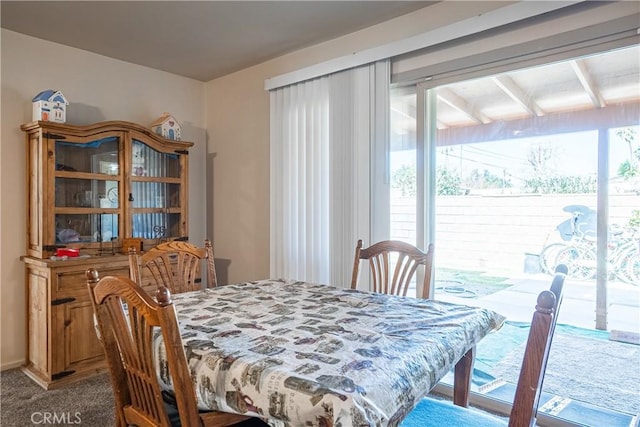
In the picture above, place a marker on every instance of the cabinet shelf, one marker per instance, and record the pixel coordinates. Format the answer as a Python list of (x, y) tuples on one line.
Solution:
[(87, 211), (155, 210), (88, 175), (155, 179)]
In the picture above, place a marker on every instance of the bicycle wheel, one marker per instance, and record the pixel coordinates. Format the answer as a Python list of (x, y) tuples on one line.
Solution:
[(580, 263), (626, 263), (547, 257), (633, 269)]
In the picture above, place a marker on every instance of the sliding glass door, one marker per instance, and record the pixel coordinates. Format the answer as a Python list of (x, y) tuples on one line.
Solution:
[(512, 174)]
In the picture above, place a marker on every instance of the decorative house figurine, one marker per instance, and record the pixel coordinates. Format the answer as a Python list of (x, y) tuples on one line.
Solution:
[(51, 106), (167, 126)]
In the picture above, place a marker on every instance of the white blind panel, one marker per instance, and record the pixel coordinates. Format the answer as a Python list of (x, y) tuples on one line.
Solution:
[(321, 136), (299, 172), (350, 146)]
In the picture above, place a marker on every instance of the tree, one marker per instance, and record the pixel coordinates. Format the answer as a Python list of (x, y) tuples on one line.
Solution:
[(448, 183), (631, 167), (539, 158), (544, 180), (634, 221), (404, 179), (486, 179)]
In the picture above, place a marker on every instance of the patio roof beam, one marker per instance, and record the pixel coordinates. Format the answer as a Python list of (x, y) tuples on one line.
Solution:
[(454, 101), (588, 83), (516, 93), (613, 116)]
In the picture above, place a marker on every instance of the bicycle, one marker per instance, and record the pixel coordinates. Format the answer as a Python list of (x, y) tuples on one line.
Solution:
[(580, 227), (580, 253)]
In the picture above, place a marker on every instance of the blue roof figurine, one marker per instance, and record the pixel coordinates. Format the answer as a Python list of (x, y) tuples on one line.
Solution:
[(50, 105)]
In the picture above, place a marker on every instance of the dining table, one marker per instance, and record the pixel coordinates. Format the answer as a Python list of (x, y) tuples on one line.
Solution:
[(305, 354)]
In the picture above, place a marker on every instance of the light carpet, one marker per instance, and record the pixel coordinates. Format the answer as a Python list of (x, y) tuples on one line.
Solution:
[(24, 403)]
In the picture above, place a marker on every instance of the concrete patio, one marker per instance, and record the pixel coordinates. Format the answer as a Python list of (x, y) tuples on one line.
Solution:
[(578, 307)]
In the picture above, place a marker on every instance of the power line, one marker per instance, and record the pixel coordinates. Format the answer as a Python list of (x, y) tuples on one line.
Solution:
[(492, 153), (553, 170)]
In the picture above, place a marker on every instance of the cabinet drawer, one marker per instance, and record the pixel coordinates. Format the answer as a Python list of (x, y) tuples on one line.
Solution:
[(71, 281)]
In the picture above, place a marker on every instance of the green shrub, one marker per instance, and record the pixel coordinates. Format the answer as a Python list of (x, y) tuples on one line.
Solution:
[(560, 185)]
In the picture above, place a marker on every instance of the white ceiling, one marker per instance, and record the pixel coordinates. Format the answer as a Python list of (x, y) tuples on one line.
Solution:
[(198, 39)]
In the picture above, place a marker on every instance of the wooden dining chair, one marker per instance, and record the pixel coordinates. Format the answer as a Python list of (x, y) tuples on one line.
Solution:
[(127, 338), (394, 282), (434, 412), (176, 265)]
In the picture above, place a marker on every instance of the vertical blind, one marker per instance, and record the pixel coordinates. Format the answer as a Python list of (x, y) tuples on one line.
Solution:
[(321, 145)]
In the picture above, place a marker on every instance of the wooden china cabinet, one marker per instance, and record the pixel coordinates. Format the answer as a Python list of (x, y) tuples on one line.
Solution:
[(90, 188)]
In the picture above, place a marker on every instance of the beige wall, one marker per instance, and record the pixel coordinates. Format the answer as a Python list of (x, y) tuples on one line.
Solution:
[(237, 108), (98, 88), (238, 131), (232, 204)]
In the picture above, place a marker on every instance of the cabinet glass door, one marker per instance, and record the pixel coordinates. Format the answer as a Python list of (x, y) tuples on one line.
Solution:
[(155, 193), (86, 228), (86, 190)]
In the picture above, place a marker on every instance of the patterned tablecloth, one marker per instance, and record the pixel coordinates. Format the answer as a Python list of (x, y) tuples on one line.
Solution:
[(304, 354)]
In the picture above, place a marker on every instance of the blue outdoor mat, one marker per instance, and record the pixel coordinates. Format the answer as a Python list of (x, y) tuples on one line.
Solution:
[(606, 392), (496, 346), (585, 370)]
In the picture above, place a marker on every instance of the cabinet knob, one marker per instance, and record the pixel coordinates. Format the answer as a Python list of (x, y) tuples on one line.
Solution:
[(131, 197)]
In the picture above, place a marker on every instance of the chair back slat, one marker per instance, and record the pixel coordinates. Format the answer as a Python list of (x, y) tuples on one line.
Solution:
[(536, 354), (404, 272), (176, 265), (408, 259)]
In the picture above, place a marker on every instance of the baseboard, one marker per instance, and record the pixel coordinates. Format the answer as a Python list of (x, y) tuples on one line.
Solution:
[(11, 365), (624, 336), (498, 401)]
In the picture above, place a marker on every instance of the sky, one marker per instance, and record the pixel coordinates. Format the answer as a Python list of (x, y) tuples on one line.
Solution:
[(573, 154)]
